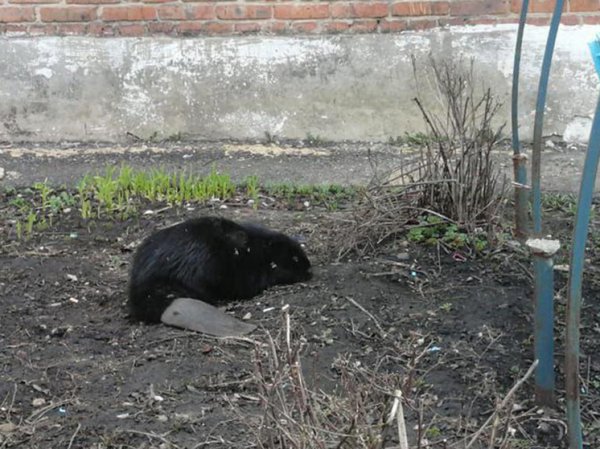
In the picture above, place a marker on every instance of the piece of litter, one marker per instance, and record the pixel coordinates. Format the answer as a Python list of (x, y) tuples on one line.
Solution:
[(268, 309), (247, 316), (306, 204), (543, 247), (562, 267), (458, 257), (74, 300), (8, 428), (434, 349), (123, 416), (71, 277), (55, 304), (38, 402)]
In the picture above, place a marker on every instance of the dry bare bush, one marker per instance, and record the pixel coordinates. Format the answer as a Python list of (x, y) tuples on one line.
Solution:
[(293, 415), (459, 151), (453, 175), (366, 410)]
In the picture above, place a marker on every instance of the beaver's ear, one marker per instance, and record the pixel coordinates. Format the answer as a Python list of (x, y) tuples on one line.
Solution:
[(238, 238)]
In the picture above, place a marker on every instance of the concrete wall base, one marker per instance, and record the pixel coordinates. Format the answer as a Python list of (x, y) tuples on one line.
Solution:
[(345, 87)]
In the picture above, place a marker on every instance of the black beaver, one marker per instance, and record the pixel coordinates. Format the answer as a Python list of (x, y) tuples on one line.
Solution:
[(211, 259)]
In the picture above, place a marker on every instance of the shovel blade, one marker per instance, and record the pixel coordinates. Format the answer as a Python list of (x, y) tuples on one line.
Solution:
[(196, 315)]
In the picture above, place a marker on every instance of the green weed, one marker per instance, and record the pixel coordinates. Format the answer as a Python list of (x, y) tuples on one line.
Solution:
[(20, 203), (113, 193), (44, 191), (314, 140), (417, 139), (252, 189), (31, 218), (433, 230), (19, 228)]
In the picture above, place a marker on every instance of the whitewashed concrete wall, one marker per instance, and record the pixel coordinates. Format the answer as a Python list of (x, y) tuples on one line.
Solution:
[(355, 87)]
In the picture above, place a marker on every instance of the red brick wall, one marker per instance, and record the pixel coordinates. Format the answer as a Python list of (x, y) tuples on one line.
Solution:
[(215, 17)]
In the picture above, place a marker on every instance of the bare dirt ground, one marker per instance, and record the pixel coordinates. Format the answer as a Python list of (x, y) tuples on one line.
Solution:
[(76, 373), (299, 162)]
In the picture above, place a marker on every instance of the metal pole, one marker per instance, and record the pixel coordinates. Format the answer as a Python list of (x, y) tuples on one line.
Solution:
[(543, 251), (582, 220), (519, 158), (544, 291), (536, 155)]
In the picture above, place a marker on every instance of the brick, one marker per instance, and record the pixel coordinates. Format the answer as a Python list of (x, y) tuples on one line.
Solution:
[(101, 29), (538, 21), (461, 21), (336, 26), (189, 28), (12, 29), (421, 24), (130, 30), (248, 27), (32, 1), (304, 27), (358, 10), (171, 12), (570, 19), (535, 6), (68, 14), (219, 28), (392, 26), (364, 26), (584, 5), (591, 20), (41, 30), (243, 12), (479, 7), (301, 11), (160, 27), (71, 29), (157, 1), (128, 13), (420, 9), (92, 2), (274, 27), (201, 12), (16, 14)]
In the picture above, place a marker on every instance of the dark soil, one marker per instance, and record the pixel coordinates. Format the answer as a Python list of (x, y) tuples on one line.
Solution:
[(75, 372)]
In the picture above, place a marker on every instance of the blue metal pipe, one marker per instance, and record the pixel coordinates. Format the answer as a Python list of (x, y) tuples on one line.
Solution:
[(536, 156), (519, 159), (544, 330), (582, 220)]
